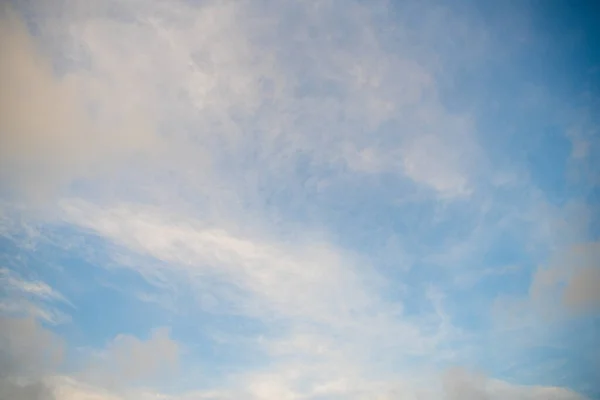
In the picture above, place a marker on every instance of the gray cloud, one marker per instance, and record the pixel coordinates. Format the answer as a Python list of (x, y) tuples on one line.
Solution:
[(47, 134), (460, 384), (27, 353), (128, 360), (571, 282), (31, 354), (582, 292), (25, 391), (210, 74)]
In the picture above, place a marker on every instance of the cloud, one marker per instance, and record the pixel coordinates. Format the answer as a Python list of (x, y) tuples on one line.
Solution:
[(207, 146), (66, 388), (561, 292), (267, 275), (37, 289), (22, 307), (303, 366), (582, 292), (573, 277), (47, 135), (267, 270), (28, 353), (195, 80), (127, 360), (465, 385), (455, 384), (322, 317), (33, 298), (431, 161), (30, 357), (334, 336)]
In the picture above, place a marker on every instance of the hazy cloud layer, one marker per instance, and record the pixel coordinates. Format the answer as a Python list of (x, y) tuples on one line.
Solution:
[(295, 200)]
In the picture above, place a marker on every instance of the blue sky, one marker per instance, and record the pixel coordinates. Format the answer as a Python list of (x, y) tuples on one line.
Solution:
[(274, 200)]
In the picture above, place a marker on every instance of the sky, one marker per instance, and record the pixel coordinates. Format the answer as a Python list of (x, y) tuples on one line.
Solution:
[(299, 200)]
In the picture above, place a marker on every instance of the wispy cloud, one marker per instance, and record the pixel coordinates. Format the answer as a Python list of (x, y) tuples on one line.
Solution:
[(37, 289), (31, 298)]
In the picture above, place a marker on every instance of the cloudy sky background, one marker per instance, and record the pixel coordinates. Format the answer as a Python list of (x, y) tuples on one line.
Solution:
[(320, 199)]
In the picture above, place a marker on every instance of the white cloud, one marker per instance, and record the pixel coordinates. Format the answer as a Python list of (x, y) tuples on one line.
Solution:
[(21, 307), (456, 384), (37, 289), (34, 298), (333, 359), (66, 388), (307, 282), (274, 272), (335, 323), (429, 160), (27, 346)]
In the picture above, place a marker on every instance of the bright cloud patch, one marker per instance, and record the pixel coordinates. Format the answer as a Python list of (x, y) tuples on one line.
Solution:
[(313, 200)]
